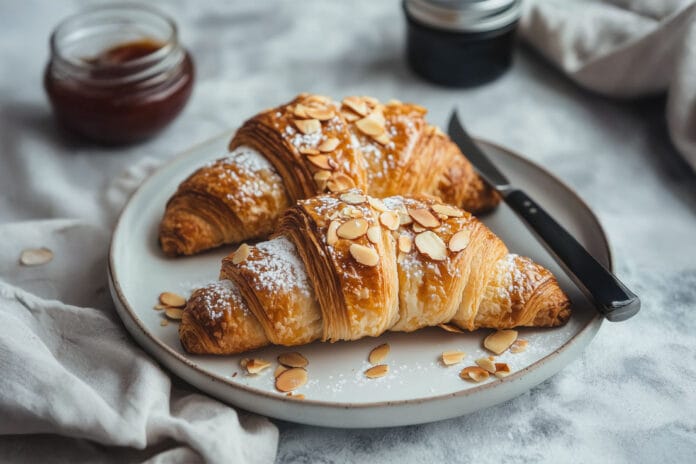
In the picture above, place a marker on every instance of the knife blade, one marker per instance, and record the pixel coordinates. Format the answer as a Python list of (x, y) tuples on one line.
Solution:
[(611, 297)]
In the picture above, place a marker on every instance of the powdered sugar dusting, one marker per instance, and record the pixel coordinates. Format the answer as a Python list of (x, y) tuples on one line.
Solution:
[(219, 297), (280, 268), (246, 158)]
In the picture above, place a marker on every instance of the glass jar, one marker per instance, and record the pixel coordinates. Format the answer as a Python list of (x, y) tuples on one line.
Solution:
[(117, 74), (460, 43)]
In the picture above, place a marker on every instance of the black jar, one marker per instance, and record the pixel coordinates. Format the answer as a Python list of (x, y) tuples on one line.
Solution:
[(461, 43)]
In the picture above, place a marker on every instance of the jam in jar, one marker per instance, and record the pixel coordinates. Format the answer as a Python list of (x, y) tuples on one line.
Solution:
[(117, 74)]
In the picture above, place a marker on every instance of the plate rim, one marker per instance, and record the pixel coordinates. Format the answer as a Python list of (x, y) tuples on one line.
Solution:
[(117, 293)]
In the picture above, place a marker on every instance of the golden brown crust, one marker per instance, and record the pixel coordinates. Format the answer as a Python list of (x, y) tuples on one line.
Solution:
[(385, 150), (316, 278)]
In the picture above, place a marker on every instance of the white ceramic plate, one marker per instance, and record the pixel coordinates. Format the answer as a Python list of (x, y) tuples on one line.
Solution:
[(417, 389)]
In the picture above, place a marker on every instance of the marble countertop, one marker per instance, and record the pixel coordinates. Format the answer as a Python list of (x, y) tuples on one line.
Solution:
[(631, 396)]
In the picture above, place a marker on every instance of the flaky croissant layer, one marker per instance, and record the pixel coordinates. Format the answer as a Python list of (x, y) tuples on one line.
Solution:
[(345, 266), (310, 146)]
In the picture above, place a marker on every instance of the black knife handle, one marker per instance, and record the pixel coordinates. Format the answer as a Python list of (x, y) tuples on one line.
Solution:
[(613, 299)]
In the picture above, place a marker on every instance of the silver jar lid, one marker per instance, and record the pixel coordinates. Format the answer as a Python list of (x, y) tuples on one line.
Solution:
[(465, 15)]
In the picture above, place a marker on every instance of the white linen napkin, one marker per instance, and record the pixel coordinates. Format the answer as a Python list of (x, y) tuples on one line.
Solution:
[(73, 385), (624, 48)]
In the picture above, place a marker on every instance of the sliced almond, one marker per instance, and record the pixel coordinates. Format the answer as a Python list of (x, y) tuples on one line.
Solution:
[(450, 328), (331, 236), (447, 210), (382, 139), (500, 340), (355, 213), (424, 217), (164, 322), (175, 314), (254, 366), (431, 245), (404, 218), (159, 307), (374, 234), (502, 370), (350, 116), (292, 359), (279, 370), (356, 104), (172, 299), (35, 256), (328, 145), (317, 99), (364, 255), (405, 243), (320, 161), (452, 357), (241, 253), (299, 111), (352, 229), (371, 101), (322, 113), (487, 364), (372, 124), (377, 204), (459, 241), (308, 126), (377, 371), (340, 182), (379, 354), (417, 228), (474, 374), (291, 379), (296, 396), (389, 219), (321, 177), (308, 151), (393, 102), (519, 346), (353, 198)]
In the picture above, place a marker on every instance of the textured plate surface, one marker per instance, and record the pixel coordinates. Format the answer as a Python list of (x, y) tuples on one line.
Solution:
[(418, 388)]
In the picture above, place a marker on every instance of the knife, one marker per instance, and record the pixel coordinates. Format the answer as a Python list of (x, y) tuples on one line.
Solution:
[(612, 298)]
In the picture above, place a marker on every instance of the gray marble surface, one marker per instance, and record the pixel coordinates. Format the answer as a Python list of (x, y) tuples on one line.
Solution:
[(631, 397)]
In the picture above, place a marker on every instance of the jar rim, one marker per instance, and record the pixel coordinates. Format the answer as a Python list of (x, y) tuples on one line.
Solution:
[(140, 65), (464, 16)]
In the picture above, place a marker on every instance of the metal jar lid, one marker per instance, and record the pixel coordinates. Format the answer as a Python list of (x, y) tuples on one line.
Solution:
[(464, 15)]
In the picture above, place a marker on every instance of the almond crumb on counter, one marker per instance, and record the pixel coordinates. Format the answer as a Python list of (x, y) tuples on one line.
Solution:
[(35, 256)]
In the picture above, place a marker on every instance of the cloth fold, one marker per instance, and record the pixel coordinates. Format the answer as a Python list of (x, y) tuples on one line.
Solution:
[(75, 381), (625, 49)]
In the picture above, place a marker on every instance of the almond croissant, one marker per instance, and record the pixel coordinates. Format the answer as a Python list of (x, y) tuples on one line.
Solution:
[(310, 146), (346, 266)]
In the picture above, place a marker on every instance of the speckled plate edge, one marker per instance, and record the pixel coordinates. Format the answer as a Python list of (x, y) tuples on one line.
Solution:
[(354, 415)]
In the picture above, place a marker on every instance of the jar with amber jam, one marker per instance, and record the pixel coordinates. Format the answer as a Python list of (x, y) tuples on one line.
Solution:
[(117, 74)]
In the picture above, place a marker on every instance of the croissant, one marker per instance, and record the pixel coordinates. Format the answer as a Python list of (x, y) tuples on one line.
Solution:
[(346, 266), (310, 146)]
